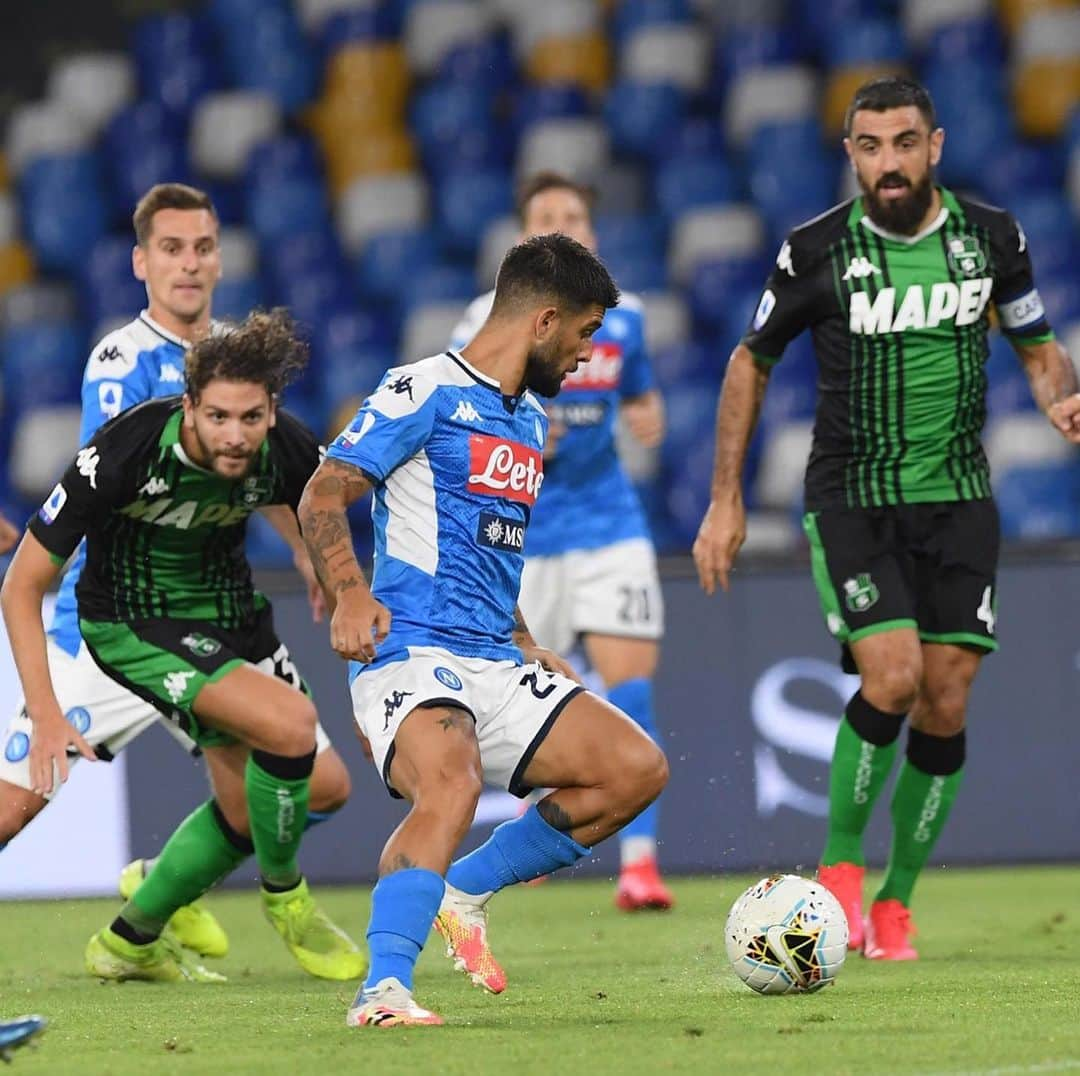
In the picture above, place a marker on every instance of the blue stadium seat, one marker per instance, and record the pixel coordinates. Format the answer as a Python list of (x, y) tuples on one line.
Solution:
[(748, 45), (641, 116), (1051, 229), (1008, 389), (1060, 293), (546, 102), (366, 330), (1021, 168), (144, 145), (390, 259), (108, 288), (978, 39), (289, 156), (467, 201), (228, 198), (442, 115), (235, 298), (64, 209), (713, 287), (265, 548), (695, 136), (865, 41), (296, 253), (41, 364), (635, 272), (686, 182), (316, 295), (352, 371), (632, 15), (439, 283), (820, 19), (176, 60), (792, 390), (487, 63), (279, 207), (690, 361), (303, 401), (1039, 502), (631, 232)]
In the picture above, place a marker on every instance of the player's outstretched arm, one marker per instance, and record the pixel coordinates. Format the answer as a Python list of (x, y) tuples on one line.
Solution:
[(644, 416), (723, 530), (282, 518), (30, 575), (1053, 383), (359, 622), (9, 535)]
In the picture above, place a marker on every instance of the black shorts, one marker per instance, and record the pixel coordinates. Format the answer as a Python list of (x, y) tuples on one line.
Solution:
[(168, 662), (932, 567)]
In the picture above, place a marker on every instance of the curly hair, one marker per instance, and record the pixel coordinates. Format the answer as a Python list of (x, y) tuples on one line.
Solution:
[(263, 349)]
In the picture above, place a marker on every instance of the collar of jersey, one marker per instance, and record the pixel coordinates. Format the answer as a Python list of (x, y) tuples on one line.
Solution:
[(509, 402), (908, 240), (179, 341)]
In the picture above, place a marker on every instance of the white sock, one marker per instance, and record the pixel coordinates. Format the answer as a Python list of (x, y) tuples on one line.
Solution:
[(631, 849)]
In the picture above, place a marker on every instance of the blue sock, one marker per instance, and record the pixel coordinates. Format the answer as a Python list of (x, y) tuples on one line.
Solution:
[(315, 817), (635, 699), (518, 851), (403, 907)]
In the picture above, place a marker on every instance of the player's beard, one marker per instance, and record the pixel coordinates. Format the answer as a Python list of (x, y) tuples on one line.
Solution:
[(899, 215), (210, 458), (543, 372)]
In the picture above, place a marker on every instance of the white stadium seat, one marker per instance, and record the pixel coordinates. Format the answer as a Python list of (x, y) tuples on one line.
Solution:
[(499, 236), (779, 479), (9, 218), (426, 330), (375, 204), (1047, 35), (770, 532), (769, 94), (43, 128), (239, 253), (922, 17), (666, 319), (38, 302), (576, 147), (93, 85), (533, 22), (711, 232), (227, 126), (314, 13), (44, 441), (673, 54), (1023, 439), (434, 27)]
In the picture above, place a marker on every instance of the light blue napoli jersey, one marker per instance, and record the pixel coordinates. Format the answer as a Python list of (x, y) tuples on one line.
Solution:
[(588, 501), (137, 362), (456, 467)]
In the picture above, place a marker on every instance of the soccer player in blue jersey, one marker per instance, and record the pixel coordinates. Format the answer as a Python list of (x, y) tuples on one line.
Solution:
[(590, 569), (178, 257), (448, 685)]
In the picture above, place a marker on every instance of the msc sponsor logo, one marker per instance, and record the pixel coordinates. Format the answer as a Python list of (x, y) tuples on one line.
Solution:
[(499, 468), (585, 413), (498, 532), (920, 308)]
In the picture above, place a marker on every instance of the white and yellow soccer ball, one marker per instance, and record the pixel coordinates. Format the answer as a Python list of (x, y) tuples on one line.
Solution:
[(786, 935)]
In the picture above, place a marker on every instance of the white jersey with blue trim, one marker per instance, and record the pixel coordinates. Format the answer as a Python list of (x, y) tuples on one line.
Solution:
[(457, 466), (588, 501), (139, 361)]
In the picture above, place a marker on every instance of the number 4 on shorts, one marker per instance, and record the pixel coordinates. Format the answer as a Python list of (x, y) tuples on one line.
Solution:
[(985, 612)]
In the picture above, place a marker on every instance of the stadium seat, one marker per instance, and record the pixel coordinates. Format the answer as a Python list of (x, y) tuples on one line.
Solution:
[(443, 282), (298, 253), (1007, 389), (351, 373), (378, 204), (144, 145), (687, 360), (16, 265), (42, 129), (1022, 168), (236, 296), (108, 288), (1046, 72), (37, 301), (729, 232), (1051, 229), (865, 42), (779, 479), (42, 445), (792, 390), (9, 218), (583, 60), (434, 27), (454, 122), (630, 16), (269, 54), (239, 253), (365, 22), (749, 45), (226, 126), (641, 116), (767, 94), (819, 20), (176, 60), (372, 78), (499, 236), (533, 103), (314, 14), (288, 156), (922, 19), (576, 147), (1039, 502), (375, 153), (41, 364), (280, 206), (93, 85), (668, 55), (532, 23), (840, 87), (1014, 13), (263, 545), (427, 330), (390, 258), (690, 182), (1023, 439), (718, 291), (667, 319), (467, 201), (353, 332)]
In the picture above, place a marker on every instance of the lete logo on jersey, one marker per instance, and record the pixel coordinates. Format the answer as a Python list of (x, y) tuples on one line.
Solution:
[(601, 372), (499, 468)]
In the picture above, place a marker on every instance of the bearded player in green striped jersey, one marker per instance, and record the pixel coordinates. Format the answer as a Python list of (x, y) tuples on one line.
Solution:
[(896, 287), (167, 609)]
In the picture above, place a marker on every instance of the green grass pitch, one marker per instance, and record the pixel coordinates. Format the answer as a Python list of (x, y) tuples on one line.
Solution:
[(592, 991)]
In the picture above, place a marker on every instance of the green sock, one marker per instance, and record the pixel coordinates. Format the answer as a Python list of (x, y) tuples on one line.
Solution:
[(920, 807), (277, 797), (858, 774), (195, 858)]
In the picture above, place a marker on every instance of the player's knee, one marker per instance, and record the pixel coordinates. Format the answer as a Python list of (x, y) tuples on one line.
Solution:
[(294, 733), (330, 783), (941, 715), (18, 808), (451, 793), (892, 688), (642, 774)]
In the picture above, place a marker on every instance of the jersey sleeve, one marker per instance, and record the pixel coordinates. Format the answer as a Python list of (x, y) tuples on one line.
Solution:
[(89, 488), (475, 315), (392, 425), (301, 454), (1020, 309), (117, 377), (786, 306), (637, 375)]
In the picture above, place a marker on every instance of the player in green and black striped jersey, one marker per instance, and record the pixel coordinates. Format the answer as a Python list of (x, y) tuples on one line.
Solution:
[(896, 288), (167, 608)]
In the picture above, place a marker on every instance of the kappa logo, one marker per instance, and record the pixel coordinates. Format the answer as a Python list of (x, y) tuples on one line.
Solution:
[(392, 704), (401, 385), (783, 259), (175, 683), (465, 413), (171, 375), (87, 462), (108, 354), (859, 268), (154, 486)]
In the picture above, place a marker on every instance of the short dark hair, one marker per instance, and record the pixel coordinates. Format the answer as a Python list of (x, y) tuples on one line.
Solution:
[(167, 196), (539, 182), (263, 349), (552, 268), (891, 91)]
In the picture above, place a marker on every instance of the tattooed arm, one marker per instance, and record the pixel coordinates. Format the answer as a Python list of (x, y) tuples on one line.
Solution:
[(359, 622)]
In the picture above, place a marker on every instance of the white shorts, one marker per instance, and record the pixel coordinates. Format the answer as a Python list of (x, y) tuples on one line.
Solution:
[(514, 707), (614, 590), (107, 715)]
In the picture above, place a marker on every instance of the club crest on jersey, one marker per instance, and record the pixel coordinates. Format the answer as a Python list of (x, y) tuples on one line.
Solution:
[(448, 678), (601, 372), (966, 256), (78, 717), (499, 468), (201, 645), (257, 489), (860, 592), (498, 532)]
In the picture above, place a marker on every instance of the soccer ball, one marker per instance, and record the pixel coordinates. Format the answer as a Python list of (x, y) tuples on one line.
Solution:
[(786, 935)]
